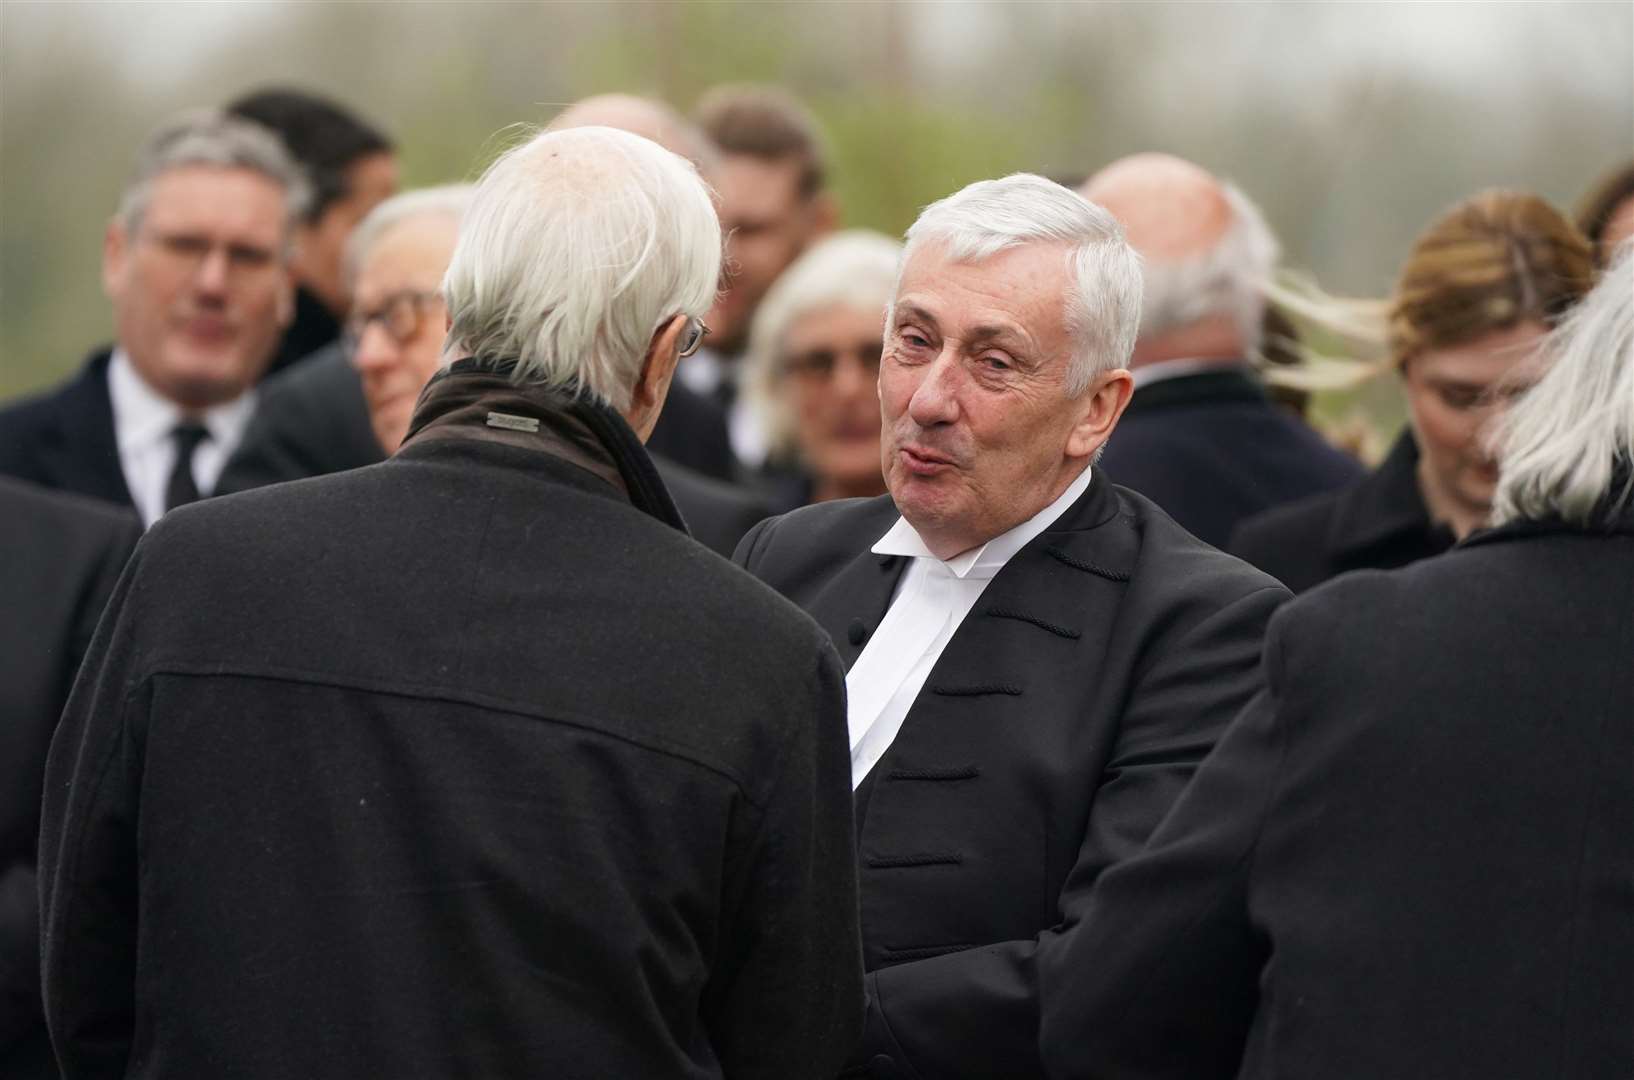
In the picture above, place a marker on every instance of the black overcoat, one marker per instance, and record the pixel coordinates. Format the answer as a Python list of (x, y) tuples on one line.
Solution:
[(64, 437), (1412, 856), (1060, 723), (455, 765)]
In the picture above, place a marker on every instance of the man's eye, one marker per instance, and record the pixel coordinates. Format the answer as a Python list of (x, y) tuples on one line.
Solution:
[(1462, 399), (913, 339), (996, 363), (249, 257), (186, 245)]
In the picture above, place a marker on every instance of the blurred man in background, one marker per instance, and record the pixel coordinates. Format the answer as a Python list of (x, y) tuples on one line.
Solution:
[(774, 204), (1201, 437), (435, 767), (351, 166), (196, 263)]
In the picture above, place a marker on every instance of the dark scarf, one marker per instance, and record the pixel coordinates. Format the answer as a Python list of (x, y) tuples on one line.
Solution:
[(480, 400)]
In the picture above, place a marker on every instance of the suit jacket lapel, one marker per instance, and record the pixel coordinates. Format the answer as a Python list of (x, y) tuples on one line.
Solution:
[(851, 605), (82, 454)]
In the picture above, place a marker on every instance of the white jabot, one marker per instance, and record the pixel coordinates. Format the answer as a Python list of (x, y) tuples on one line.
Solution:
[(932, 598), (704, 372), (143, 420)]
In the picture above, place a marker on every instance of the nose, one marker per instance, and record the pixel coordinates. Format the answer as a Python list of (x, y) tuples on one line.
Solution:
[(935, 398), (375, 351), (213, 272)]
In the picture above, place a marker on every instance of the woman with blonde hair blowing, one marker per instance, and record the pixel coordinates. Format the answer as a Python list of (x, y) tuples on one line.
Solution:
[(1481, 287)]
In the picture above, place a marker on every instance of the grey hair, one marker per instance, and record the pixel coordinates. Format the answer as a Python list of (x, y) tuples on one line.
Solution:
[(1230, 278), (1567, 442), (577, 247), (212, 137), (449, 201), (1102, 306), (856, 268)]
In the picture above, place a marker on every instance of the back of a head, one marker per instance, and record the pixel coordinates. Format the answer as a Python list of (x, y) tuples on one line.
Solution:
[(647, 117), (1567, 446), (767, 123), (990, 216), (324, 137), (1206, 249), (1494, 261), (576, 248)]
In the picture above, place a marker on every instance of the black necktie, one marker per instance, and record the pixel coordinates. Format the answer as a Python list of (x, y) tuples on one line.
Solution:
[(182, 490)]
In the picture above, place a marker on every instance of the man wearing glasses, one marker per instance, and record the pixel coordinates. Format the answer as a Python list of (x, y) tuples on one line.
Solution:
[(196, 264)]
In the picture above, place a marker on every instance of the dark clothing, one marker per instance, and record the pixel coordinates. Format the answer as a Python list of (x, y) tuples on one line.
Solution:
[(309, 421), (313, 420), (1211, 450), (1058, 726), (692, 431), (312, 328), (1380, 523), (64, 438), (1411, 855), (432, 768), (59, 558)]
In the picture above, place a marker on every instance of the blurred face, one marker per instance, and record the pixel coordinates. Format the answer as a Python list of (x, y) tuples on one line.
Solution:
[(1452, 394), (200, 289), (979, 433), (767, 225), (321, 245), (398, 319), (831, 376)]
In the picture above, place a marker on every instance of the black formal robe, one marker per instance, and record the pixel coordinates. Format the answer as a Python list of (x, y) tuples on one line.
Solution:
[(468, 763), (64, 438), (1212, 449), (59, 558), (1378, 523), (1058, 726), (1413, 854)]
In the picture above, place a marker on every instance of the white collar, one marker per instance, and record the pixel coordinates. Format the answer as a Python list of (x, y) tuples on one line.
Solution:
[(144, 417), (1163, 370), (988, 559)]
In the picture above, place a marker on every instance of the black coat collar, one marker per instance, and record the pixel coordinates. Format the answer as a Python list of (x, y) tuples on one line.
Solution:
[(1233, 382), (82, 452), (479, 401), (1386, 509)]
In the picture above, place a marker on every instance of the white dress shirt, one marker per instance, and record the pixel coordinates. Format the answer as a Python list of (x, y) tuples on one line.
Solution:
[(704, 371), (932, 598), (143, 420)]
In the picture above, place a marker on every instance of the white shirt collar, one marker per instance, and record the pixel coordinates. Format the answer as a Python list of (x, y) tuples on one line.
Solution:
[(1163, 370), (988, 559), (143, 417)]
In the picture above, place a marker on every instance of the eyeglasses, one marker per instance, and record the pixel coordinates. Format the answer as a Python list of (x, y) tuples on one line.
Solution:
[(399, 314), (819, 365), (693, 339)]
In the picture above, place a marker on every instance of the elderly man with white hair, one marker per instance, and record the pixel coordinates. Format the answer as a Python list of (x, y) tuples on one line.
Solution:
[(1037, 660), (432, 768), (1410, 856), (1201, 438)]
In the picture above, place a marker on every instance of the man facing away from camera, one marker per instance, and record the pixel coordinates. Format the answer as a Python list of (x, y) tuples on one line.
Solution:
[(1037, 660), (431, 767)]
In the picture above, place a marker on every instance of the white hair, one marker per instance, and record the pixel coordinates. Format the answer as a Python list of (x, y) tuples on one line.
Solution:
[(213, 138), (577, 247), (1230, 278), (449, 201), (1569, 441), (856, 268), (1102, 306)]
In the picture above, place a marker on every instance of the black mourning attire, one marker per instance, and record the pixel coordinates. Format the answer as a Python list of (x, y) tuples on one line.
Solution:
[(1211, 449), (465, 763), (1411, 855), (64, 438), (313, 328), (59, 558), (1378, 523), (1057, 727)]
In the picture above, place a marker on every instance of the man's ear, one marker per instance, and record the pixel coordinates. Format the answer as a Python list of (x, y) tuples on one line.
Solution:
[(824, 214), (286, 300), (115, 251), (1099, 408), (657, 371)]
